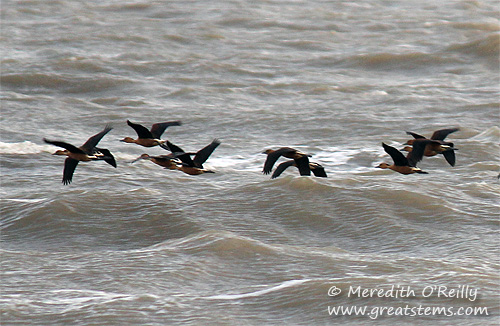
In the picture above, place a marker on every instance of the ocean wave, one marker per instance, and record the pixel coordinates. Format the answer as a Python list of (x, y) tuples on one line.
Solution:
[(491, 134), (487, 47), (283, 286), (69, 84), (219, 243), (411, 60)]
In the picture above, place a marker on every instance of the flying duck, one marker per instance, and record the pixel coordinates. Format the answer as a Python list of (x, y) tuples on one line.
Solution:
[(402, 164), (149, 138), (433, 149), (193, 166), (85, 153), (288, 152)]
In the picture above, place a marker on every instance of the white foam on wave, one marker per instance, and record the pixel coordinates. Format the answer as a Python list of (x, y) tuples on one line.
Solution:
[(284, 285), (25, 147)]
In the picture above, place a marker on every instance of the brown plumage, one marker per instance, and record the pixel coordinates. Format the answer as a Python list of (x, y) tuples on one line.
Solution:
[(438, 147), (149, 138), (193, 166), (166, 161), (85, 153), (402, 164), (288, 152)]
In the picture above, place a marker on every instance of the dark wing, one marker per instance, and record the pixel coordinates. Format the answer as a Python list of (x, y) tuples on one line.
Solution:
[(398, 157), (203, 154), (449, 157), (180, 154), (318, 170), (174, 148), (418, 150), (94, 140), (441, 134), (159, 128), (141, 131), (282, 167), (303, 165), (273, 157), (108, 157), (69, 147), (416, 136), (69, 168)]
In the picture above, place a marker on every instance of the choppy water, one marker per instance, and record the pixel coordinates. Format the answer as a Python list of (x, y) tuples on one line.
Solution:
[(142, 245)]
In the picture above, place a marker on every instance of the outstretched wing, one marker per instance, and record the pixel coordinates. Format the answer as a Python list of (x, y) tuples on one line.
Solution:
[(449, 157), (92, 142), (318, 170), (303, 165), (159, 128), (180, 154), (69, 147), (142, 132), (108, 157), (69, 168), (441, 134), (414, 135), (418, 150), (398, 157), (282, 167), (203, 154), (273, 157)]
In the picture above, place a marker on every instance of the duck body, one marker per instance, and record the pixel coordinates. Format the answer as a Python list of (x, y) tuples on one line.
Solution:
[(402, 164), (166, 161)]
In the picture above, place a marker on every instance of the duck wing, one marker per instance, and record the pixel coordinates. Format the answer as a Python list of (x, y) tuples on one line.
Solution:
[(142, 132), (180, 154), (274, 156), (92, 142), (282, 167), (69, 168), (318, 170), (69, 147), (441, 134), (159, 128), (108, 157), (303, 165), (414, 135), (398, 157), (449, 157), (418, 150), (203, 154)]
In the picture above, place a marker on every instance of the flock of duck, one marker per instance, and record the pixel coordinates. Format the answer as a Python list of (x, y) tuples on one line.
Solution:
[(192, 163)]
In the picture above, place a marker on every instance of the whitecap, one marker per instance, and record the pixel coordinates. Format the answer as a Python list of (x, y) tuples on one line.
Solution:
[(284, 285)]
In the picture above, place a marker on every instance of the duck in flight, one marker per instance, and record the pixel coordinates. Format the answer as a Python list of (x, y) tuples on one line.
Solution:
[(167, 161), (150, 138), (408, 164), (193, 166), (317, 169), (288, 152), (85, 153), (433, 149)]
